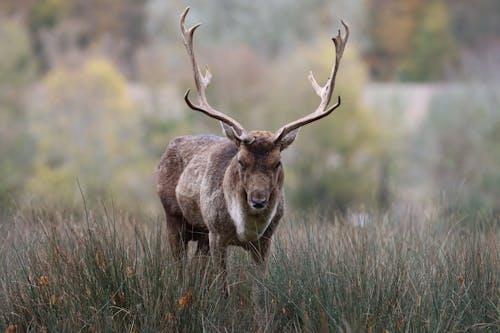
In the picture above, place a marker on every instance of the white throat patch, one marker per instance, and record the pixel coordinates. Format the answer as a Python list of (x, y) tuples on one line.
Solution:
[(249, 227)]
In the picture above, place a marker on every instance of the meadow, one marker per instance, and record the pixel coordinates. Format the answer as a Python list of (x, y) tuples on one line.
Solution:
[(107, 270), (93, 91)]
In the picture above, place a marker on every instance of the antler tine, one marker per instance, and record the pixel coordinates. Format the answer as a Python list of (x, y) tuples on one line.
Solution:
[(202, 81), (324, 92)]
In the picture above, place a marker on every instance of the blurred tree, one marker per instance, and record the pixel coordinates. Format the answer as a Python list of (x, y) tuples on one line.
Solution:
[(457, 147), (390, 27), (433, 52), (17, 68), (47, 13), (86, 128), (37, 15), (421, 40), (121, 21), (474, 22), (99, 23)]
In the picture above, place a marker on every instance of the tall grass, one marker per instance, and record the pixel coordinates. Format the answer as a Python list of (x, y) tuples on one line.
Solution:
[(105, 271)]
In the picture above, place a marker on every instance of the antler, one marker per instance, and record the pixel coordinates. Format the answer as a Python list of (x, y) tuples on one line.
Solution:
[(201, 81), (324, 92)]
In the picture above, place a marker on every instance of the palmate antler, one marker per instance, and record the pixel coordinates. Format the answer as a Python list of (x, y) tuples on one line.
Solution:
[(202, 81), (324, 92)]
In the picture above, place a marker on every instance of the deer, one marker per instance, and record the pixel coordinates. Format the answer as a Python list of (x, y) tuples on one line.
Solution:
[(228, 191)]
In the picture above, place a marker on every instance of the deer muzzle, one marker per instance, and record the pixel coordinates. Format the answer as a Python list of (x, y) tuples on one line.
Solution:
[(258, 199)]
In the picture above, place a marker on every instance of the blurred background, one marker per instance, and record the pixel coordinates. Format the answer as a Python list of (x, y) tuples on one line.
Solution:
[(91, 92)]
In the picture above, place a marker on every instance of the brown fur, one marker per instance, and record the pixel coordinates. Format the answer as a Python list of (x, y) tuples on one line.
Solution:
[(200, 177)]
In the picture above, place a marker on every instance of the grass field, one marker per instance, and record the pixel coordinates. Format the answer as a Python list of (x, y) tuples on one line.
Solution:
[(106, 270)]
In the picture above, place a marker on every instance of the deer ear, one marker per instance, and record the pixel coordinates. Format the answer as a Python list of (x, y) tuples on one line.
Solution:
[(288, 139), (229, 133)]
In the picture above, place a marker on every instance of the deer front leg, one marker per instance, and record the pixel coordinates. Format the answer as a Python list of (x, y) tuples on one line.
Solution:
[(260, 254), (218, 253)]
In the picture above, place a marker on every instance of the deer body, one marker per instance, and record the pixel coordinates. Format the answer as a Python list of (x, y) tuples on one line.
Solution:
[(200, 188), (229, 191)]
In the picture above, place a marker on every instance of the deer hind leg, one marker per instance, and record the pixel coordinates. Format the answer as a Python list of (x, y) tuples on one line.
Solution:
[(176, 237), (218, 251), (201, 257), (203, 247)]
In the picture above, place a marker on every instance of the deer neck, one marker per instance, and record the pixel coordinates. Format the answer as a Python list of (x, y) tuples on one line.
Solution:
[(249, 225)]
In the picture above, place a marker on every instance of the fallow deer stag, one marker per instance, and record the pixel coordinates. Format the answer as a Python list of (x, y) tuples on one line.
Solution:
[(229, 191)]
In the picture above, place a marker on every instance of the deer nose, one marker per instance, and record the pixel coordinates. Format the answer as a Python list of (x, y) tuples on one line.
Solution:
[(259, 199)]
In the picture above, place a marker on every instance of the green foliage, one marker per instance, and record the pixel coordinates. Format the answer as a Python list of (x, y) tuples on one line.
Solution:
[(457, 146), (16, 148), (159, 132), (390, 34), (415, 40), (106, 272), (16, 61), (46, 13), (87, 128), (433, 50)]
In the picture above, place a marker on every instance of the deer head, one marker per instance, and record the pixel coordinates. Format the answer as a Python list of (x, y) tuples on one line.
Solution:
[(258, 159)]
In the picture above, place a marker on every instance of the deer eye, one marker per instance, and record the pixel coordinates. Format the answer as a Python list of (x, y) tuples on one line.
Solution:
[(277, 165), (242, 165)]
